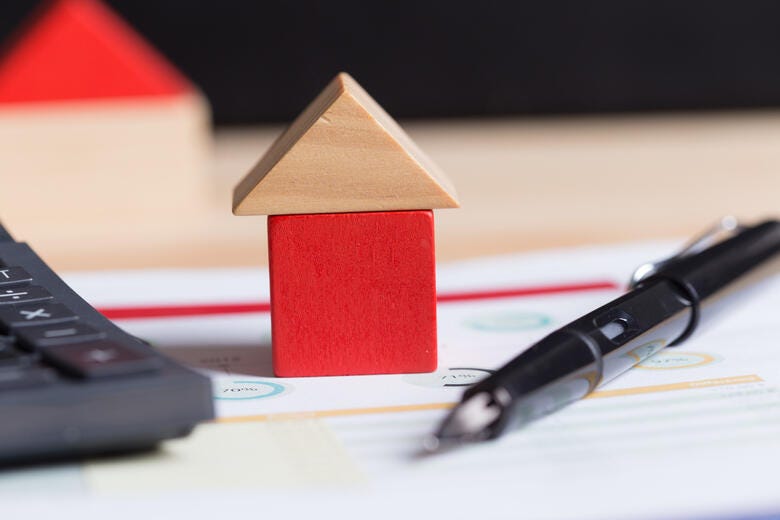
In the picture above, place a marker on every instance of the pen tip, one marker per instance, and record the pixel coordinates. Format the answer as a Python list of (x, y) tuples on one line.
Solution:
[(431, 444), (469, 421)]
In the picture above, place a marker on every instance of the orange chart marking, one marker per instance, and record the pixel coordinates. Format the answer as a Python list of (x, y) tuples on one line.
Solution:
[(687, 385), (319, 414)]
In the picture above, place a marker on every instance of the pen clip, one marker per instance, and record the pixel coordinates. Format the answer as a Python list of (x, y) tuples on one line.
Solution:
[(726, 227)]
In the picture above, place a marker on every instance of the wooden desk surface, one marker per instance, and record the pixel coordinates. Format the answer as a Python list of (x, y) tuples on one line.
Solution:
[(523, 183)]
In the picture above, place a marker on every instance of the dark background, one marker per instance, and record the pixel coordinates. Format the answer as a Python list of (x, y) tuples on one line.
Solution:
[(263, 61)]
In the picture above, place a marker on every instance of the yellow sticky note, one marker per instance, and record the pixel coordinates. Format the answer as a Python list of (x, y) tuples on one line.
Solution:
[(255, 455)]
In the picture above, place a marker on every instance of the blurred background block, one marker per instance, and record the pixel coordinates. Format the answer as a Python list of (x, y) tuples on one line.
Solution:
[(95, 126), (263, 61), (560, 123)]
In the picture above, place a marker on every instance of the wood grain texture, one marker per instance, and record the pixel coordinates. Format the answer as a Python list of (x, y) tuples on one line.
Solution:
[(352, 293), (74, 165), (344, 153), (525, 184), (96, 126)]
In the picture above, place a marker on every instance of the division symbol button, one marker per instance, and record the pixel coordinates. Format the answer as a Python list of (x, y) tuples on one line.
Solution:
[(22, 294)]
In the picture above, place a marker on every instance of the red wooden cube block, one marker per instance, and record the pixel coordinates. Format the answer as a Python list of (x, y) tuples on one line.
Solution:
[(352, 293)]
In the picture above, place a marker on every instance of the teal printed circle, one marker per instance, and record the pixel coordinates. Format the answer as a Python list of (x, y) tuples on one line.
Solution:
[(245, 390), (509, 321)]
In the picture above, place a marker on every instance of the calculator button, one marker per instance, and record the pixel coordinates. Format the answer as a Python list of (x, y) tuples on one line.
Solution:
[(11, 358), (23, 294), (12, 275), (99, 359), (28, 377), (43, 313), (44, 336)]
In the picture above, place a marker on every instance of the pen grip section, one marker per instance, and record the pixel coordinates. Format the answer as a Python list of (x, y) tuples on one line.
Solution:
[(560, 369), (571, 362), (639, 324)]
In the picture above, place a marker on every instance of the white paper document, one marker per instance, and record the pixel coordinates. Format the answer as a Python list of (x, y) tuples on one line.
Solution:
[(692, 432)]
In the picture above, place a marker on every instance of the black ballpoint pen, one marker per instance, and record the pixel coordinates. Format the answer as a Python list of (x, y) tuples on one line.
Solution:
[(663, 309)]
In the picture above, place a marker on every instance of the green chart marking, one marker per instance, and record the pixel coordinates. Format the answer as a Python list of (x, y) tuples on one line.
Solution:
[(509, 321)]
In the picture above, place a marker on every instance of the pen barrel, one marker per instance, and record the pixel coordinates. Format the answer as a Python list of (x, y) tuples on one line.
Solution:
[(571, 362), (710, 271), (715, 277), (662, 310)]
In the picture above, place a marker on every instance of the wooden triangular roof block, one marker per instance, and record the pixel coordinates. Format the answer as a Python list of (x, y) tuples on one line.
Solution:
[(344, 153), (80, 49)]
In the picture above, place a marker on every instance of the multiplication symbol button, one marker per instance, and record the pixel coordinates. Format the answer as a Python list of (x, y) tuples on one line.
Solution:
[(44, 313)]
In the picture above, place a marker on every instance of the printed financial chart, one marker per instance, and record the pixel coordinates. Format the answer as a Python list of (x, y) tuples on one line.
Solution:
[(692, 431)]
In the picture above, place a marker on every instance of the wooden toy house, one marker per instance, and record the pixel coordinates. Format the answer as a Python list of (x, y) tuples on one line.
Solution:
[(94, 123), (351, 243)]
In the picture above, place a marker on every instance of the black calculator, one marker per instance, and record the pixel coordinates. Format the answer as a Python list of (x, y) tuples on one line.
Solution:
[(73, 384)]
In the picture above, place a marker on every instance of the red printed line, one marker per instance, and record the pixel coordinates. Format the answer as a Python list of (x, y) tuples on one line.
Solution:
[(172, 311), (526, 291)]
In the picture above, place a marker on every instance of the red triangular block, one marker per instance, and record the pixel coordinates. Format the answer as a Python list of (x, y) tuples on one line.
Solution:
[(80, 49)]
